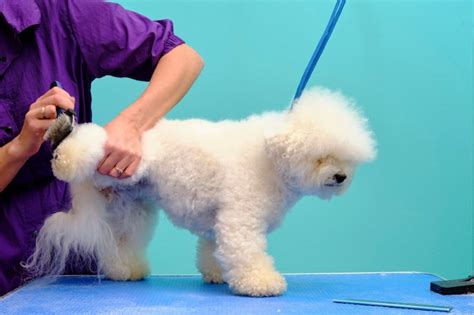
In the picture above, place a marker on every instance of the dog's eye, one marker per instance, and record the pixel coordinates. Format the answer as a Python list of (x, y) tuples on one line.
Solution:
[(319, 162)]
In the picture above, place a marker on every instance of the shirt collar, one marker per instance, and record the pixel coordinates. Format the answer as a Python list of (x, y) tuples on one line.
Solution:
[(20, 14)]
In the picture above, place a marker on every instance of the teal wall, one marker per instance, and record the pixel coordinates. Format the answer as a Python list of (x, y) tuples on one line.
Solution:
[(407, 63)]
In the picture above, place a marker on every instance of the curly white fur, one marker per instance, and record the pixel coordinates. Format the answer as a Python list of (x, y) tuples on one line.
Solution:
[(228, 182)]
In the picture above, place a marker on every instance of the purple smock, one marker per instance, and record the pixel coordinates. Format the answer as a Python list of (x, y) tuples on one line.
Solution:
[(75, 42)]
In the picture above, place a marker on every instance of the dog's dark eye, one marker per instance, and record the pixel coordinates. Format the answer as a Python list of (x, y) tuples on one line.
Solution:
[(319, 162)]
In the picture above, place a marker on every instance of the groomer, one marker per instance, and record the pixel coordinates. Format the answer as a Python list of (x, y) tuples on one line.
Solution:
[(74, 42)]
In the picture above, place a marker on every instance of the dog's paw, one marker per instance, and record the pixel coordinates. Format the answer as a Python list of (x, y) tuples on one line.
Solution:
[(210, 270), (118, 274), (133, 272), (139, 271), (212, 276), (259, 283)]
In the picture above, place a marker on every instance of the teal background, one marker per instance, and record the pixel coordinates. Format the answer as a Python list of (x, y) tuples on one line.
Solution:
[(409, 66)]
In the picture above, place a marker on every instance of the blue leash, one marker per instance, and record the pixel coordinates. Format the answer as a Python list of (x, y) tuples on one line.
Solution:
[(319, 49)]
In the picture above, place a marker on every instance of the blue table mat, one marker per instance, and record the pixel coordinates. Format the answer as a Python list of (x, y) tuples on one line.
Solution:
[(307, 294)]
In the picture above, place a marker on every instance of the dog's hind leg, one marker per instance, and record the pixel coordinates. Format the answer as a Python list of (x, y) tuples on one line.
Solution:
[(241, 246), (136, 233), (207, 263)]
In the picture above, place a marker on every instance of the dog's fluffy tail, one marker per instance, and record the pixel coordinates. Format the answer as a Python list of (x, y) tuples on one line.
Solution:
[(81, 237)]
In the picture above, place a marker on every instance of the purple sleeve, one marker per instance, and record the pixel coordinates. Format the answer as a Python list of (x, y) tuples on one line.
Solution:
[(114, 41)]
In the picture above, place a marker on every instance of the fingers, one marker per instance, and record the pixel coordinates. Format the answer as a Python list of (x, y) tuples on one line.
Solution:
[(37, 125), (53, 91), (40, 117), (120, 170), (131, 169), (57, 97), (118, 163), (44, 112), (108, 163)]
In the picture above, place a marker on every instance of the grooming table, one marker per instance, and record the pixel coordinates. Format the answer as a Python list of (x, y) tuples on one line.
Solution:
[(307, 294)]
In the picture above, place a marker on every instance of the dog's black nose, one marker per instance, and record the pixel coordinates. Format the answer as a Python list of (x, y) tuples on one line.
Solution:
[(339, 178)]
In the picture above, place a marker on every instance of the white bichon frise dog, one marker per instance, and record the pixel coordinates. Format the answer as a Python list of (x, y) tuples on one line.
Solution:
[(228, 182)]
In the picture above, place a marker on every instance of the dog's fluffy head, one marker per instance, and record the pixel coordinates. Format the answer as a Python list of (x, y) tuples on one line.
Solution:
[(319, 143)]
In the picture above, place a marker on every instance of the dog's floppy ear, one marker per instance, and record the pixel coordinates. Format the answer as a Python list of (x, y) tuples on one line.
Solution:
[(283, 143), (335, 126), (276, 143), (61, 128)]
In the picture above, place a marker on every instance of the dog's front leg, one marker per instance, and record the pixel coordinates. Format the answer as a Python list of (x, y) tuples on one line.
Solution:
[(241, 246)]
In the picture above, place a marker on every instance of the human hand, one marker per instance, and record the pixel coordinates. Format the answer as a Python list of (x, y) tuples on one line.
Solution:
[(123, 150), (39, 118)]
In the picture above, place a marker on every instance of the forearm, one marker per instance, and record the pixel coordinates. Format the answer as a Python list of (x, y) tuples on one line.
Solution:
[(172, 78), (12, 158)]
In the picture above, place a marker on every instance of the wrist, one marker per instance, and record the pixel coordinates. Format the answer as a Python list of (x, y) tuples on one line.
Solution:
[(18, 151), (138, 116), (128, 121)]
